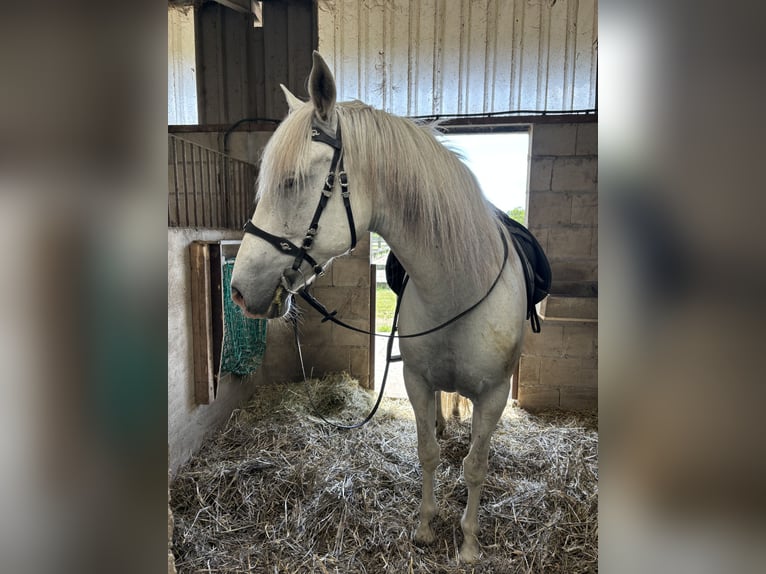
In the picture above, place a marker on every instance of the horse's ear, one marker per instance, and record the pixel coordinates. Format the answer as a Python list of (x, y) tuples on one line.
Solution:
[(293, 103), (322, 88)]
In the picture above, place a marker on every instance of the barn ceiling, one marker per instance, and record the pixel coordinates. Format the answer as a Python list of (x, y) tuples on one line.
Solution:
[(433, 57)]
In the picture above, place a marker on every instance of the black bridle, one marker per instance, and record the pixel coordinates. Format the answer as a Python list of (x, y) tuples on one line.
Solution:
[(336, 173)]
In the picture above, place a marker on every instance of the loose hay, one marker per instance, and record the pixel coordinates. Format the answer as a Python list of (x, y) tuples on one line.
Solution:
[(274, 491)]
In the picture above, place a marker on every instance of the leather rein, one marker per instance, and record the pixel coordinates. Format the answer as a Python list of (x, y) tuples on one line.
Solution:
[(338, 174)]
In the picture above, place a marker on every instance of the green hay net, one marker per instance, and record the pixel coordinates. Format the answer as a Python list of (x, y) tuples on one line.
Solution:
[(244, 340)]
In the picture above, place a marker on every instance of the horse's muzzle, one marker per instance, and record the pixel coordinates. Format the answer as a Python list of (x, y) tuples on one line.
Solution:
[(278, 306)]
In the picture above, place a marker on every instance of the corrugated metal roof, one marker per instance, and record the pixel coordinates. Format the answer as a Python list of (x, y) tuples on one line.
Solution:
[(441, 57)]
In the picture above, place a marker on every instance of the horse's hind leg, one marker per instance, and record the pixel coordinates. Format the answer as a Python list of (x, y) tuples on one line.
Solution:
[(424, 405), (486, 412)]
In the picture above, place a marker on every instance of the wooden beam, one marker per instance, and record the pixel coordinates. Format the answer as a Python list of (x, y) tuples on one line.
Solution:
[(238, 5), (202, 328)]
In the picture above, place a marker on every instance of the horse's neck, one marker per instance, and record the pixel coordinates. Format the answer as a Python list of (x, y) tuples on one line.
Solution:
[(433, 280)]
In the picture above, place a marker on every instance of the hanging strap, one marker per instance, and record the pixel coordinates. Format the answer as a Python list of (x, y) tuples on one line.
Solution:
[(389, 348), (331, 315), (282, 244)]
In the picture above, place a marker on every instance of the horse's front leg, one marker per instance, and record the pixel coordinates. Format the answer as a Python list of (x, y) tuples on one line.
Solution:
[(424, 405), (486, 412)]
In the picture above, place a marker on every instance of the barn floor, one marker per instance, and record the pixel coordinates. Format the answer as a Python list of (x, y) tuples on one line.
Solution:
[(275, 491)]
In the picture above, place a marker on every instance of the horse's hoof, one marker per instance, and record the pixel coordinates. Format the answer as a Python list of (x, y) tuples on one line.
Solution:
[(469, 552), (424, 536)]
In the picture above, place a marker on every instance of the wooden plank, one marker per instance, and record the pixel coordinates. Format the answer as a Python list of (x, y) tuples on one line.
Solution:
[(216, 311), (275, 27), (256, 76), (301, 31), (209, 63), (236, 89), (202, 331), (454, 406), (238, 5)]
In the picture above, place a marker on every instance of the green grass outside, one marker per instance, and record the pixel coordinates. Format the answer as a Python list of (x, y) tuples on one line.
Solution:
[(385, 302)]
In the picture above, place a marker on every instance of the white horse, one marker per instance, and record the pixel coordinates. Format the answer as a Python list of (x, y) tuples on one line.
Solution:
[(405, 185)]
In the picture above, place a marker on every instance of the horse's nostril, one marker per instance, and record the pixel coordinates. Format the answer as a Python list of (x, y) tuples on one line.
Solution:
[(237, 297)]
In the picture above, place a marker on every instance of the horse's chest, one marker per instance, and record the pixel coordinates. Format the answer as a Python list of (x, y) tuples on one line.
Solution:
[(445, 365)]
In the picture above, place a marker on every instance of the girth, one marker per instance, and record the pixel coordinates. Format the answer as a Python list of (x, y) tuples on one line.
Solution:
[(336, 173)]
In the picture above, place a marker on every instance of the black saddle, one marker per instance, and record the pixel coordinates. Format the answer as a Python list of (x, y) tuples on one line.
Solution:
[(537, 270)]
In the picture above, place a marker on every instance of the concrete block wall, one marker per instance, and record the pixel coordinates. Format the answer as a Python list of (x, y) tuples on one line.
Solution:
[(558, 367), (563, 202), (346, 287)]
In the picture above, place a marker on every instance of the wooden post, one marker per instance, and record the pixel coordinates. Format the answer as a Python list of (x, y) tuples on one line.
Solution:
[(202, 328)]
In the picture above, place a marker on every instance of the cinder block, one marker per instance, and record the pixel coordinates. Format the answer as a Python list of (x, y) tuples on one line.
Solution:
[(549, 208), (563, 308), (574, 174), (585, 269), (350, 302), (351, 272), (324, 280), (584, 199), (541, 234), (575, 288), (339, 299), (362, 249), (585, 216), (579, 399), (587, 139), (590, 363), (280, 362), (311, 328), (323, 360), (554, 139), (540, 173), (594, 243), (549, 342), (580, 340), (559, 371), (348, 338), (570, 241), (537, 397), (529, 370), (589, 378), (585, 208)]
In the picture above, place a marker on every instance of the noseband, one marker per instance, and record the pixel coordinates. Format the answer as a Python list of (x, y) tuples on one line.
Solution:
[(336, 173)]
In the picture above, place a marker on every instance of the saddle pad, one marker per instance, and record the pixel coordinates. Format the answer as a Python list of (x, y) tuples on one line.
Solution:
[(537, 270), (395, 274)]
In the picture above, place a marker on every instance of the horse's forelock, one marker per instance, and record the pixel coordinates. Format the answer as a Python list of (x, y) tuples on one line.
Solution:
[(287, 153)]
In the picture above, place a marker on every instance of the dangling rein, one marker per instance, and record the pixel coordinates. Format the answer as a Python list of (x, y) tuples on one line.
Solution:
[(332, 316)]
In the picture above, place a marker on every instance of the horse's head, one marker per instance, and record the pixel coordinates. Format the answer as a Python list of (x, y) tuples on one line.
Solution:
[(303, 212)]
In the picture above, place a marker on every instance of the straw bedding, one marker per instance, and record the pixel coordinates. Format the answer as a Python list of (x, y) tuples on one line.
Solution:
[(277, 491)]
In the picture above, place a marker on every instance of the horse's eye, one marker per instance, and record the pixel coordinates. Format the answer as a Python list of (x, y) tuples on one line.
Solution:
[(289, 183)]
